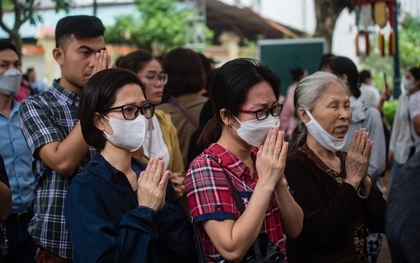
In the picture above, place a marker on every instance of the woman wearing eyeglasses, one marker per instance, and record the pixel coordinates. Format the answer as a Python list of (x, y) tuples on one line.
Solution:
[(244, 96), (161, 137), (117, 209)]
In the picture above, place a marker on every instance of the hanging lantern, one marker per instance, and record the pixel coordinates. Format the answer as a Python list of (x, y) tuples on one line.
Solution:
[(381, 43), (378, 7), (367, 20)]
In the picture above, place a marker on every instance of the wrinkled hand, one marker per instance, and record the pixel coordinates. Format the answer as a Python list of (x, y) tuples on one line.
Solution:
[(102, 61), (178, 181), (358, 157), (271, 158), (151, 191)]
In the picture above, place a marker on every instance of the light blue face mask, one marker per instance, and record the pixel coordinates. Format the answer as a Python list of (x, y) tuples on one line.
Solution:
[(10, 81), (254, 131), (328, 141)]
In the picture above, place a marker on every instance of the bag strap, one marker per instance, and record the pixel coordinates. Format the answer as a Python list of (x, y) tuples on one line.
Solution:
[(236, 196), (198, 243), (185, 113), (241, 207)]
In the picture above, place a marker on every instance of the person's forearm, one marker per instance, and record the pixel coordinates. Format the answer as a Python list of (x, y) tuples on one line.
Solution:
[(233, 241), (5, 201), (291, 213), (416, 124), (380, 105), (63, 157), (366, 185)]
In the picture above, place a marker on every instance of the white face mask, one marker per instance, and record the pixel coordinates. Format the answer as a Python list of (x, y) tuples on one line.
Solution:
[(10, 81), (254, 131), (128, 134), (324, 138), (409, 85)]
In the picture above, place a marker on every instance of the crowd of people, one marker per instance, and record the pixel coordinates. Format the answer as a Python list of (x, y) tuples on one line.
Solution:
[(171, 160)]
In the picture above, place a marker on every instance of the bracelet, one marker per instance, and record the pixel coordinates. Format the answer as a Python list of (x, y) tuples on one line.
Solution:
[(360, 194)]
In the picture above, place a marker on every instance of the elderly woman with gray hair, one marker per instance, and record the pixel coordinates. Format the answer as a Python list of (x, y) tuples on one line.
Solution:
[(332, 187)]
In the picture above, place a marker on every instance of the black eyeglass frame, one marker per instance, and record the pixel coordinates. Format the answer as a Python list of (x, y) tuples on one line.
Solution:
[(268, 110), (136, 114)]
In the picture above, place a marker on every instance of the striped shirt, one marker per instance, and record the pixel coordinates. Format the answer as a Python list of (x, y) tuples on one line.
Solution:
[(210, 197), (45, 118)]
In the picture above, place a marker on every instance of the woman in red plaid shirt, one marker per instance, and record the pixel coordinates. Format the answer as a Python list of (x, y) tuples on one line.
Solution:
[(244, 95)]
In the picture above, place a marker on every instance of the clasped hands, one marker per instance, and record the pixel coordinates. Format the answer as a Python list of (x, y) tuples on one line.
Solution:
[(152, 183), (358, 159), (271, 159)]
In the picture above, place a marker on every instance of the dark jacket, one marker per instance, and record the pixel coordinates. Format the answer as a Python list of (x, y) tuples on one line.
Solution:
[(107, 225), (402, 215)]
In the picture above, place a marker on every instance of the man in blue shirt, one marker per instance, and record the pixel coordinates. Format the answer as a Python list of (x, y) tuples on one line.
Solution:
[(18, 162)]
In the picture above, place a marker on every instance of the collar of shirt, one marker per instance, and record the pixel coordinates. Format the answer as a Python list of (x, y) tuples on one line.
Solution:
[(99, 161), (358, 109), (229, 161), (64, 94), (108, 173)]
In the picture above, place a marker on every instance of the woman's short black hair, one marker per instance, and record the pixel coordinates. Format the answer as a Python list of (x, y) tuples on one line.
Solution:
[(344, 65), (136, 60), (297, 73), (98, 95), (185, 72), (415, 71), (364, 75), (229, 88)]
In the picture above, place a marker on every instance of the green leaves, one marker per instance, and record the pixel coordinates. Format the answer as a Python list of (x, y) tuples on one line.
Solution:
[(27, 10), (409, 42), (158, 26)]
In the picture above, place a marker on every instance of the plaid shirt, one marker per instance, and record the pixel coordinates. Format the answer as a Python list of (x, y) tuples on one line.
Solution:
[(210, 197), (45, 118)]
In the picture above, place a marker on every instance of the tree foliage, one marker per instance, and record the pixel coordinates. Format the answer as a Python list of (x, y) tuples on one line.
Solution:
[(26, 10), (158, 26), (409, 43)]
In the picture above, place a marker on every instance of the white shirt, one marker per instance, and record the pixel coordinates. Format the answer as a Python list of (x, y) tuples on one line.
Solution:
[(414, 110), (401, 140), (154, 144), (370, 95)]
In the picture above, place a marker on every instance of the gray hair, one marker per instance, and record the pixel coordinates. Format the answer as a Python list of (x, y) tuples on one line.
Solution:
[(307, 94)]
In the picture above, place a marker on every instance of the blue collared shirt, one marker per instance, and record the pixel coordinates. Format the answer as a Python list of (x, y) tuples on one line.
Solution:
[(17, 159)]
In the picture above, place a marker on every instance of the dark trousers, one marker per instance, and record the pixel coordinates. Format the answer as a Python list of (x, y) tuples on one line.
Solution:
[(44, 256), (22, 247)]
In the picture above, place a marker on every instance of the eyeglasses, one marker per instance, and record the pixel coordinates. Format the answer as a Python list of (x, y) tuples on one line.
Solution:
[(262, 114), (153, 80), (130, 111)]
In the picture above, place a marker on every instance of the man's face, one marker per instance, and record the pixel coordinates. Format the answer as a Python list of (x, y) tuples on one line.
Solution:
[(77, 60), (8, 60), (31, 76)]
